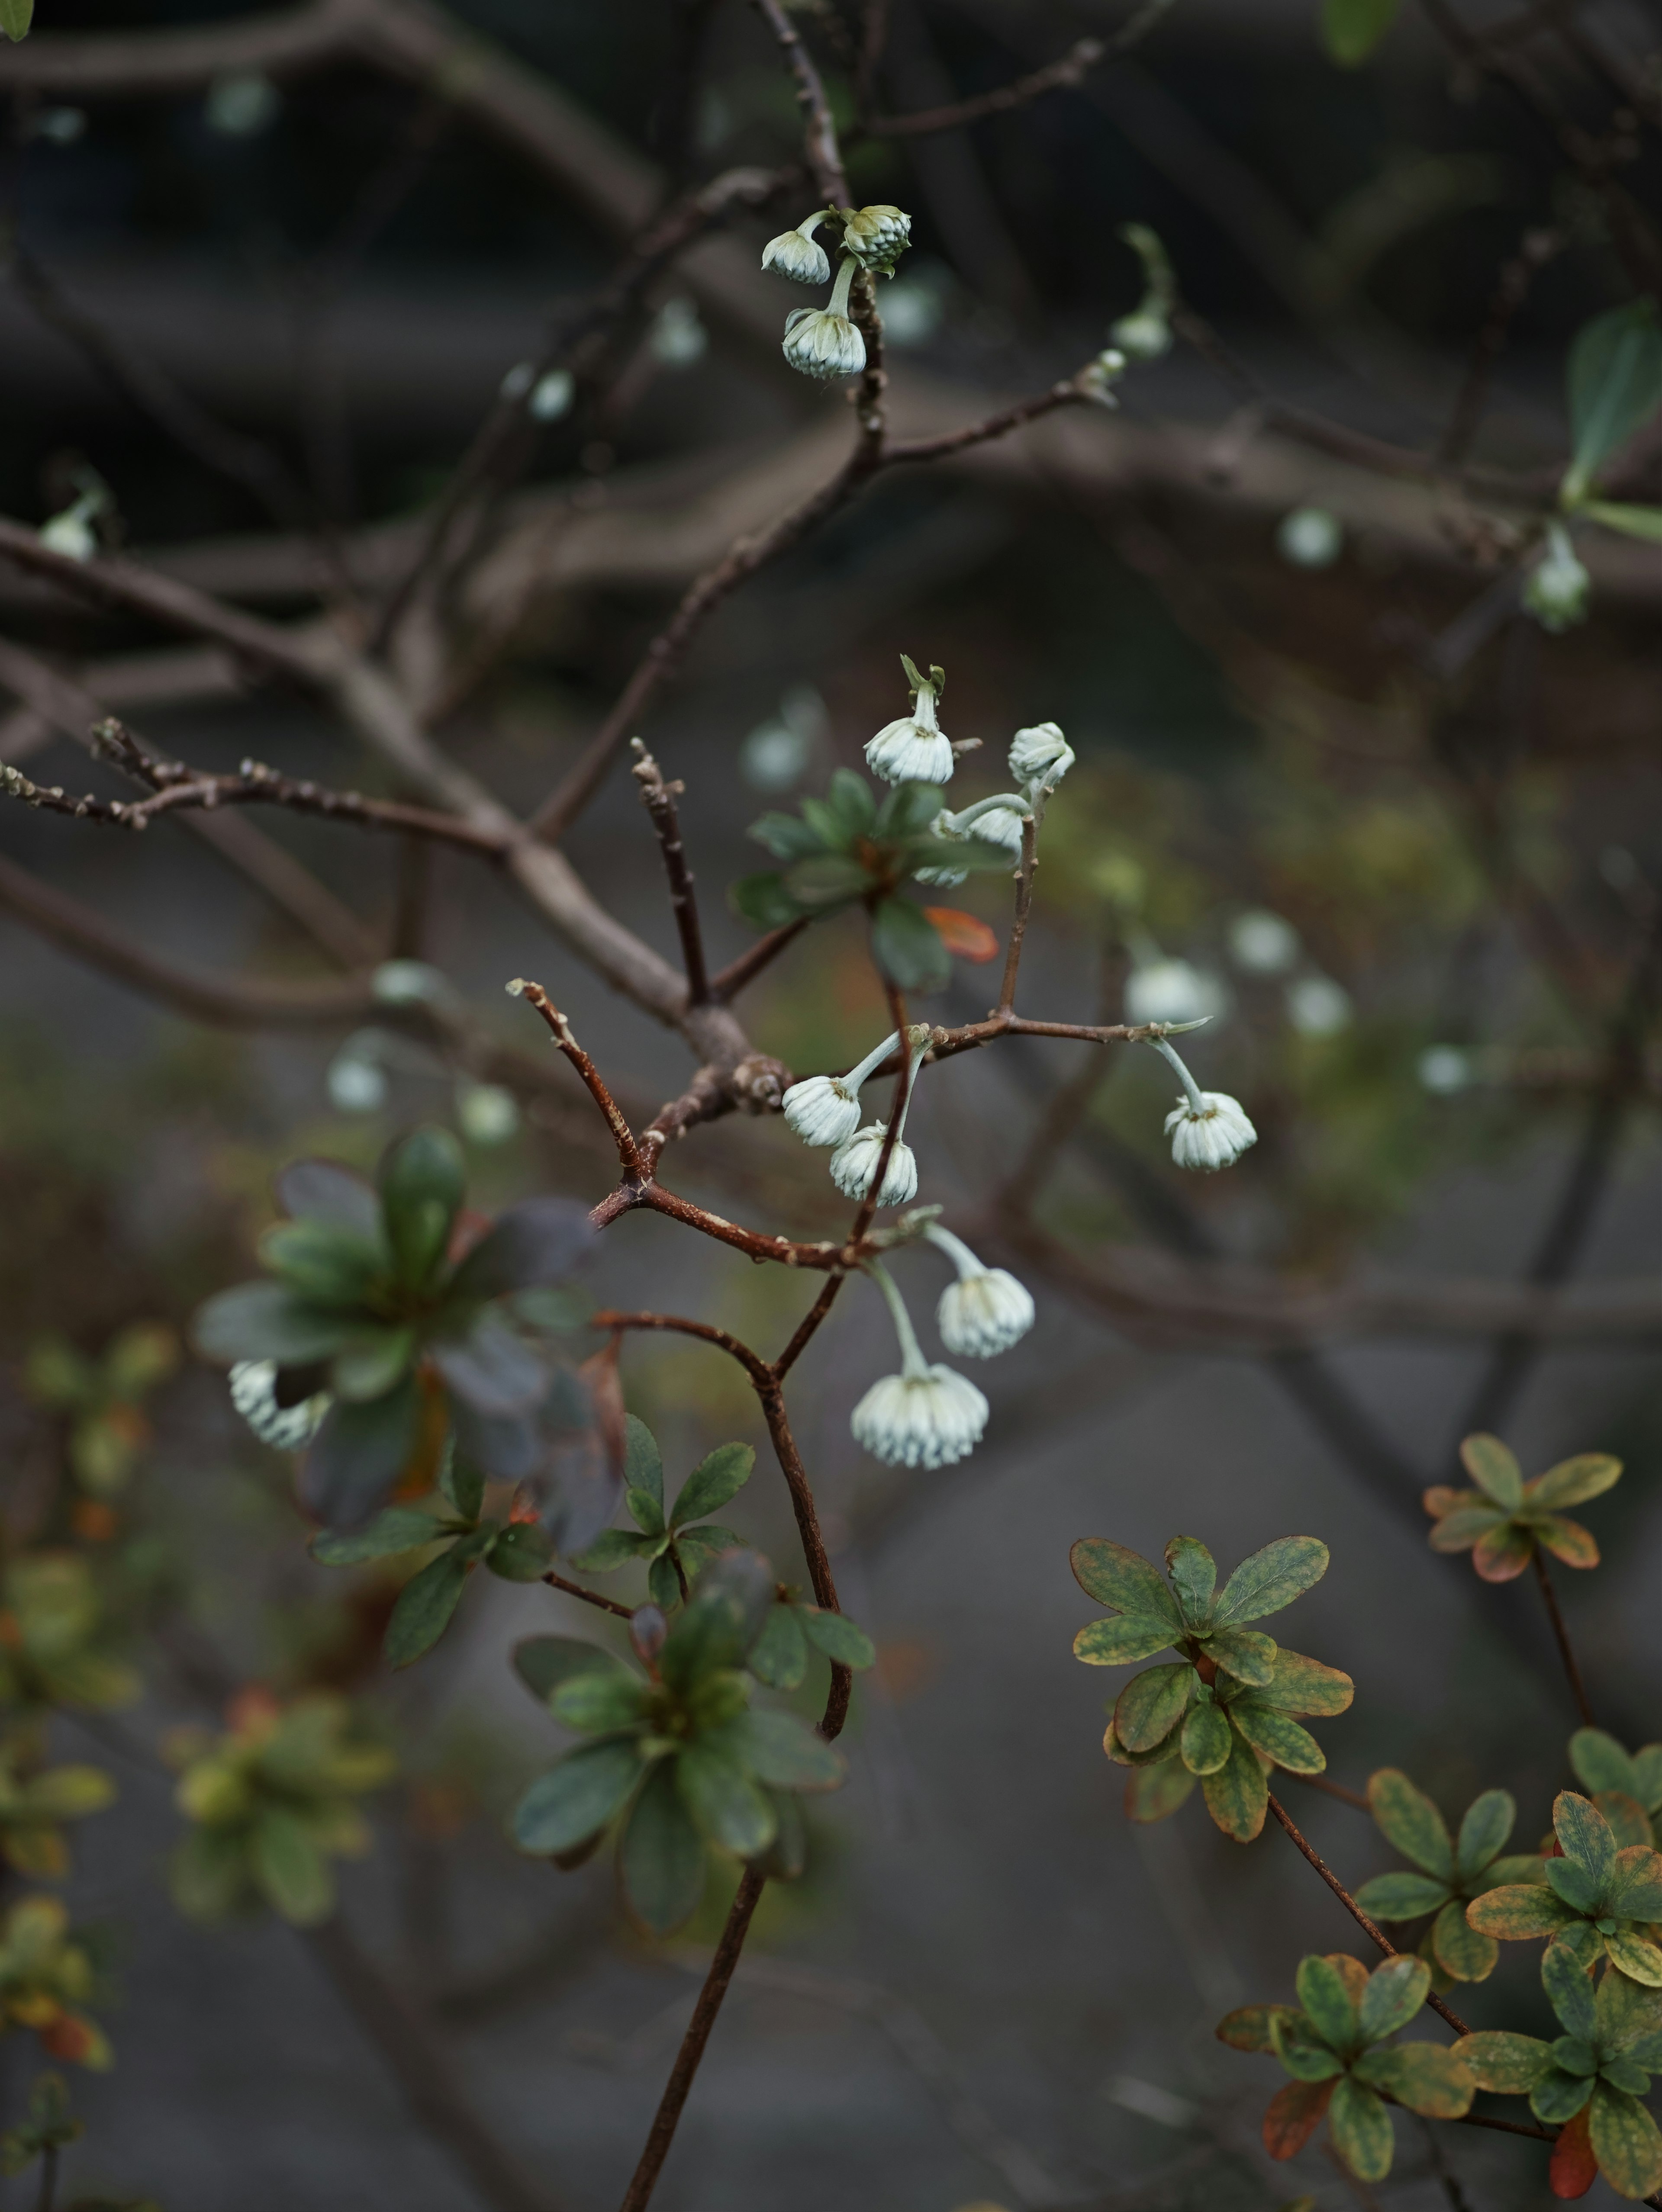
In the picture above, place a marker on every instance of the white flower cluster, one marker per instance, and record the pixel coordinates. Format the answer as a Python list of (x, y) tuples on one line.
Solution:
[(825, 1110), (824, 341), (1039, 757), (928, 1415)]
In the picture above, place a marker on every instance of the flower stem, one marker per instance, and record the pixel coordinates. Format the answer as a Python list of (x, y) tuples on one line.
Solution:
[(1189, 1083), (838, 304), (862, 1071), (913, 1366), (956, 1250)]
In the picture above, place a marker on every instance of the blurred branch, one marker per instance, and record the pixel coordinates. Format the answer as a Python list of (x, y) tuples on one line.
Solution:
[(1074, 66), (825, 157), (1535, 249)]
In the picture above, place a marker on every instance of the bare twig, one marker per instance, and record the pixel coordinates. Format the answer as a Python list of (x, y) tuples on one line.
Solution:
[(749, 965), (818, 131), (1080, 59), (1566, 1649), (1024, 904), (589, 1596), (1536, 250), (634, 1167), (659, 798)]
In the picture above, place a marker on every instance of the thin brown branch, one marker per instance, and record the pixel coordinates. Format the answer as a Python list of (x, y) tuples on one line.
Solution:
[(732, 979), (824, 157), (1080, 59), (807, 1326), (659, 798), (751, 1243), (1535, 249), (1023, 907), (1068, 392), (753, 1363), (911, 1059), (1566, 1649), (576, 1589), (662, 2132), (634, 1167), (1369, 1928), (1330, 1789)]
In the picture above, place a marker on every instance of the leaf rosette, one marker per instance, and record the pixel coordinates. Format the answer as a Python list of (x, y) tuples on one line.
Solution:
[(1226, 1712), (1502, 1521), (1596, 1898), (1450, 1872)]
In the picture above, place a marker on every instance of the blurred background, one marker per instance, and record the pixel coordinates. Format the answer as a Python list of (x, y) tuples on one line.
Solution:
[(1335, 788)]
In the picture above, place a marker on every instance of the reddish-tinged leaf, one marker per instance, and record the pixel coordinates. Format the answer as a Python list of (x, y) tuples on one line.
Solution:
[(1153, 1793), (1440, 1499), (1503, 1554), (1295, 2113), (1460, 1529), (1567, 1540), (963, 934), (1248, 2027), (1494, 1470), (1573, 2169)]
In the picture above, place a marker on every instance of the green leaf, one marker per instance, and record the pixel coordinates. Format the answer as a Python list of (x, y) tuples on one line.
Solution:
[(722, 1475), (1585, 1835), (832, 879), (263, 1321), (1571, 2055), (1122, 1580), (1155, 1792), (372, 1362), (1352, 29), (1305, 2058), (785, 1753), (494, 1370), (1459, 1950), (1494, 1470), (616, 1547), (1634, 1956), (1360, 2127), (529, 1247), (1408, 1820), (1325, 1993), (1517, 1912), (1194, 1575), (1489, 1820), (852, 803), (696, 1548), (1117, 1642), (1152, 1703), (600, 1703), (1508, 2064), (1635, 1889), (786, 1857), (787, 836), (1394, 1994), (396, 1528), (324, 1190), (462, 1484), (1271, 1579), (909, 810), (424, 1607), (663, 1583), (1306, 1686), (1647, 1777), (643, 1466), (1401, 1896), (422, 1181), (836, 1636), (1237, 1795), (1277, 1737), (1430, 2080), (662, 1857), (1467, 1525), (543, 1662), (1557, 2096), (575, 1799), (763, 901), (1249, 2026), (1634, 521), (1615, 386), (1574, 1481), (779, 1656), (15, 16), (907, 947), (1600, 1763), (289, 1868), (328, 1266), (708, 1635), (1245, 1653), (1206, 1739), (1566, 1539), (726, 1805), (357, 1455)]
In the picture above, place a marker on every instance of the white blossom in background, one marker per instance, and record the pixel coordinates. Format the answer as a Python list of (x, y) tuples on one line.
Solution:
[(1208, 1129), (821, 341), (241, 104), (485, 1113), (1555, 591), (356, 1082), (678, 338), (916, 748), (1316, 1006), (1262, 943), (285, 1428), (925, 1416), (1444, 1069), (986, 1310), (877, 237), (854, 1165), (1162, 990), (1040, 755), (551, 396), (825, 1110), (1098, 379), (778, 754), (411, 983), (797, 254), (1146, 332), (1310, 537), (71, 532)]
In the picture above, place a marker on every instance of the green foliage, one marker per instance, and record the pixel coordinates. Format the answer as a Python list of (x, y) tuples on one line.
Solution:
[(1502, 1521), (675, 1551), (57, 1643), (50, 2125), (1224, 1713), (1595, 2074), (103, 1399), (271, 1802), (36, 1800), (372, 1295), (679, 1756), (1597, 1899), (1626, 1786), (1352, 29), (45, 1978), (1452, 1872), (1614, 382), (1335, 2046), (15, 16), (849, 849)]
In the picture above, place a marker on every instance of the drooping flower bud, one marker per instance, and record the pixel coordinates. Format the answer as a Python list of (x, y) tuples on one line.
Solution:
[(925, 1416), (284, 1428), (1208, 1129), (915, 750), (986, 1310), (853, 1166), (821, 341), (1040, 755), (797, 254), (1146, 332), (825, 1110), (877, 237)]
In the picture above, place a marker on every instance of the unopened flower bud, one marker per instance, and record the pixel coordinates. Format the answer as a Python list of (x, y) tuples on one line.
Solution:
[(853, 1166), (915, 750), (821, 341), (986, 1310), (284, 1428), (1556, 592), (1040, 755), (825, 1110), (797, 254), (925, 1416), (1208, 1129), (877, 237)]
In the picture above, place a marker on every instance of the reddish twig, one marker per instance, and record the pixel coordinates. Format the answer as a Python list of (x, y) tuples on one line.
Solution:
[(1566, 1650), (588, 1596), (753, 1363), (1334, 1790), (634, 1167), (732, 979), (659, 800)]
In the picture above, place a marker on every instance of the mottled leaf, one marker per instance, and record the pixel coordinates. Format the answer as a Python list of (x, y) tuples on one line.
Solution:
[(1567, 1540), (1237, 1795), (1502, 1555), (1206, 1739), (1488, 1822), (1459, 1529), (1408, 1820), (1585, 1835), (1459, 1950), (1117, 1642), (1305, 1687), (1152, 1703), (1245, 1653), (1647, 1777), (1121, 1579), (1155, 1792), (1570, 1992), (1294, 2114), (1494, 1470), (1600, 1763), (1518, 1912), (1625, 2013), (1508, 2064), (1558, 2096), (1401, 1896), (1279, 1738), (1194, 1575), (1635, 1956), (1360, 2127), (1574, 1481), (1630, 1825), (1249, 2026), (1579, 1889), (1426, 2077), (1394, 1994), (1271, 1579)]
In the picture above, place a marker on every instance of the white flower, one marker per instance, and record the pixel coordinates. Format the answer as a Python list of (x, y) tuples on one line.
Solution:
[(916, 749), (1040, 755), (854, 1165), (285, 1428), (997, 821), (795, 253), (487, 1113), (924, 1416), (1316, 1006), (878, 236), (1310, 537), (821, 340), (1208, 1129), (825, 1110), (1262, 943), (72, 533), (986, 1310), (1556, 592), (932, 1419), (1171, 990)]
